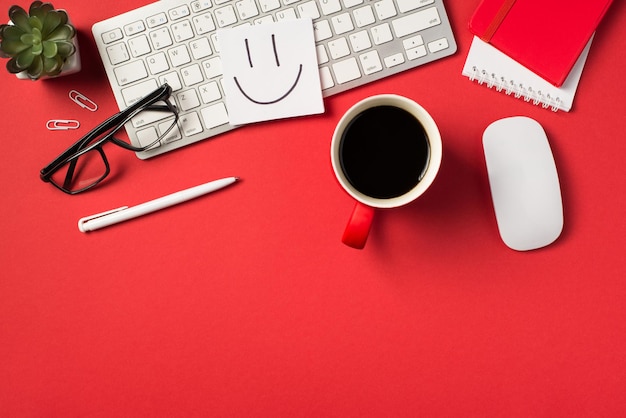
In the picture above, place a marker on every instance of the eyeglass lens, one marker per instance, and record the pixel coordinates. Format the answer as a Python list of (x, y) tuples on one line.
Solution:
[(81, 173)]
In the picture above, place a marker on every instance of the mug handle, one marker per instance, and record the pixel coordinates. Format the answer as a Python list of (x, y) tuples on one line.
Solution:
[(358, 228)]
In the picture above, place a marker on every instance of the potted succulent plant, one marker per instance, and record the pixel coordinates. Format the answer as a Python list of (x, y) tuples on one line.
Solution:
[(40, 43)]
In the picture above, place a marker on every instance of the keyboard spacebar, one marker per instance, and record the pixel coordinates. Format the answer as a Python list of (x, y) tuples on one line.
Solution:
[(416, 22)]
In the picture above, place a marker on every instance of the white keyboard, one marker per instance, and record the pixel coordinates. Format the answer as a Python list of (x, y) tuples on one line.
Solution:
[(174, 41)]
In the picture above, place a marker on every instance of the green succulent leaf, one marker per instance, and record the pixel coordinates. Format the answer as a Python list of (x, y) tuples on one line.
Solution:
[(35, 22), (52, 66), (12, 66), (11, 32), (41, 7), (31, 38), (52, 21), (25, 59), (36, 68), (19, 17), (35, 8), (11, 48), (65, 49), (50, 49), (62, 33)]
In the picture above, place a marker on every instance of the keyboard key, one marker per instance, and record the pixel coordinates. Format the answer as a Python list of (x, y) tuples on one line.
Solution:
[(415, 53), (117, 53), (225, 16), (326, 79), (210, 92), (347, 70), (309, 9), (131, 72), (134, 28), (385, 9), (352, 3), (287, 14), (192, 75), (339, 48), (179, 55), (370, 61), (191, 124), (203, 23), (246, 9), (172, 135), (182, 31), (188, 99), (112, 36), (172, 79), (138, 91), (342, 23), (157, 20), (322, 56), (330, 6), (322, 31), (148, 117), (147, 136), (198, 6), (393, 60), (416, 22), (214, 115), (264, 19), (360, 41), (157, 63), (413, 41), (408, 5), (212, 67), (200, 48), (139, 46), (438, 45), (161, 38), (179, 12), (269, 5), (364, 16), (381, 34)]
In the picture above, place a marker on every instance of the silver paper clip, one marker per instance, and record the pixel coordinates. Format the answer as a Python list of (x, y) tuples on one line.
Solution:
[(62, 124), (83, 101)]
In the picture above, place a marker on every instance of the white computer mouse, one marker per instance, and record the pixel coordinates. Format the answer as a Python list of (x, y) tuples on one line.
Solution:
[(524, 183)]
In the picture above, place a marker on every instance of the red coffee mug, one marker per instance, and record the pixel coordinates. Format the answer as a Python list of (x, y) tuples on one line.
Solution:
[(359, 224)]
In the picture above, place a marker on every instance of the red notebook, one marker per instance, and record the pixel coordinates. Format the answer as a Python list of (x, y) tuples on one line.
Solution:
[(545, 36)]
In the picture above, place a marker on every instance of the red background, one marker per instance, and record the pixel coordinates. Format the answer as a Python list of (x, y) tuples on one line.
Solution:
[(245, 302)]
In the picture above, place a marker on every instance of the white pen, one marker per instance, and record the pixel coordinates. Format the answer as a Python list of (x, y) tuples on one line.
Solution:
[(101, 220)]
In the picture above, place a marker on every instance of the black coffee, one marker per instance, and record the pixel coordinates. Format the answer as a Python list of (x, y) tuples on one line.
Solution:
[(384, 152)]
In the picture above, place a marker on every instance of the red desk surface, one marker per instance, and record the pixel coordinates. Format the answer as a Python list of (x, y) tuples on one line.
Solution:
[(245, 302)]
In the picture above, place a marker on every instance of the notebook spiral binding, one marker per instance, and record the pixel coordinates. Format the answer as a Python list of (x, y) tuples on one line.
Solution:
[(517, 90)]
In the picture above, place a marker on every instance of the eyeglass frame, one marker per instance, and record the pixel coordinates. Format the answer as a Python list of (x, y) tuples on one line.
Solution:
[(109, 127)]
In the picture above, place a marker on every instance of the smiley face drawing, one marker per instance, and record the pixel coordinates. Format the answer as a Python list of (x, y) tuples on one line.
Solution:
[(270, 71), (293, 86)]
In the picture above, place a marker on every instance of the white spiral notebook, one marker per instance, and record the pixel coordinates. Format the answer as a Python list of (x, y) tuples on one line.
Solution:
[(489, 67)]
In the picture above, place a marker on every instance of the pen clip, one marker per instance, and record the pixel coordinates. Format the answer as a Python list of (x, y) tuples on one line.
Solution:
[(83, 221), (62, 124)]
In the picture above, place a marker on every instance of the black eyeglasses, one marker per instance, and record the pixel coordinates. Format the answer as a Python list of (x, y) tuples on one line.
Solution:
[(83, 165)]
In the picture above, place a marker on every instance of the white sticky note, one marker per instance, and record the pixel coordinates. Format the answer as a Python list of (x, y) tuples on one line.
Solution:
[(270, 71)]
